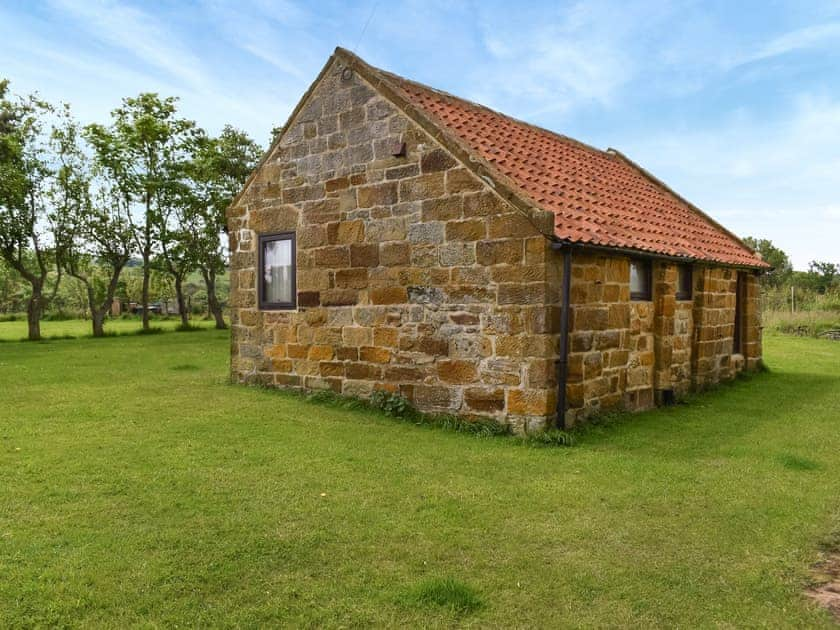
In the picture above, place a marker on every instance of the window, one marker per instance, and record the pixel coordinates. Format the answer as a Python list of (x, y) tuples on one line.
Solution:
[(683, 282), (640, 280), (276, 280)]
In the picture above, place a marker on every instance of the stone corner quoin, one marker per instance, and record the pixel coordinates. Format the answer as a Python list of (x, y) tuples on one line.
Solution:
[(415, 277)]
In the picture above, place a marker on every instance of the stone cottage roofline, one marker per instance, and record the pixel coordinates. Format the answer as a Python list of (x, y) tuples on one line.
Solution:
[(597, 198)]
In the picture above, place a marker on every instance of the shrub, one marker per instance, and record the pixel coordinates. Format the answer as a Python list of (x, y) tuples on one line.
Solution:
[(391, 403), (549, 437)]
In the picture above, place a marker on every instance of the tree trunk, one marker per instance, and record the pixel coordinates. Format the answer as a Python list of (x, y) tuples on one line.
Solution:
[(182, 305), (145, 297), (98, 319), (212, 299), (213, 304), (33, 314)]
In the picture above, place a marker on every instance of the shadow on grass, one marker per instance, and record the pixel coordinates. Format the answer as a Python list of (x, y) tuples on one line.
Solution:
[(712, 420), (446, 593)]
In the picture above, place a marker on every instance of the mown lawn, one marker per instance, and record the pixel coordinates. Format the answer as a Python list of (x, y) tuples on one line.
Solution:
[(16, 330), (138, 488)]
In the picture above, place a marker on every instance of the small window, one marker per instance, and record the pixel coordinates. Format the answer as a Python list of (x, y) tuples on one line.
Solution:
[(683, 282), (276, 279), (640, 280)]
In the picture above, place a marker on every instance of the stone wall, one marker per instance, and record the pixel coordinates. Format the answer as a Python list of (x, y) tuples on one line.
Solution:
[(412, 275), (625, 354), (713, 357), (611, 356), (673, 325)]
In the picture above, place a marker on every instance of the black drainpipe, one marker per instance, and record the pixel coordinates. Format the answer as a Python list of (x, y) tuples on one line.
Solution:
[(563, 361)]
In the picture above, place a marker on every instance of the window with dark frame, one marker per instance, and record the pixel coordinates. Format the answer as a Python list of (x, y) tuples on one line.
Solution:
[(683, 282), (641, 280), (276, 277)]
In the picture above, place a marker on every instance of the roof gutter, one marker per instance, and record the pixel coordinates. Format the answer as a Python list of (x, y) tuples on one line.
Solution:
[(638, 253)]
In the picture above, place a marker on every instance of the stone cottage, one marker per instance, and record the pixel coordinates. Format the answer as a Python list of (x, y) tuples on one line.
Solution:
[(397, 237)]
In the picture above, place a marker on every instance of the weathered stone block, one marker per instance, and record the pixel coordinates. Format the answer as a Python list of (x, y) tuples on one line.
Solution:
[(467, 230), (364, 255), (393, 254), (383, 194), (389, 295), (508, 251), (532, 402), (426, 233), (488, 400)]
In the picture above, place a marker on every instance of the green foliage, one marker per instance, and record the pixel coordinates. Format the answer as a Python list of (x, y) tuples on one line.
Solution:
[(779, 260), (478, 427), (549, 437), (824, 275), (447, 593), (391, 403), (26, 175)]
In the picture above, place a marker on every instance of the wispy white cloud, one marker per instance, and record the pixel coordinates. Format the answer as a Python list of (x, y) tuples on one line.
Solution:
[(136, 33), (561, 59), (799, 39)]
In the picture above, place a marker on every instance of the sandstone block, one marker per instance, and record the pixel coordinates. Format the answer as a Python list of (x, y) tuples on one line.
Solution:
[(507, 251), (436, 160), (484, 399), (531, 402), (351, 278), (466, 230), (374, 355), (426, 232), (383, 194), (396, 253), (364, 255), (320, 353), (423, 187), (357, 336)]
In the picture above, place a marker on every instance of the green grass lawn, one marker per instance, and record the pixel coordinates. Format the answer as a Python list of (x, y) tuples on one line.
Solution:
[(138, 488), (16, 331)]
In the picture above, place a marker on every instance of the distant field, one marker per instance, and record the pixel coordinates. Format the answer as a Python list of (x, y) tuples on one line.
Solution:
[(14, 331), (805, 323), (139, 489)]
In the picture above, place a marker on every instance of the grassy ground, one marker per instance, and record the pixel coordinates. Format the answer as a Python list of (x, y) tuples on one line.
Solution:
[(16, 330), (138, 488)]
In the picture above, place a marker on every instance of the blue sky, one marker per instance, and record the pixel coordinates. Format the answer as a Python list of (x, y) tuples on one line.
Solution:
[(736, 105)]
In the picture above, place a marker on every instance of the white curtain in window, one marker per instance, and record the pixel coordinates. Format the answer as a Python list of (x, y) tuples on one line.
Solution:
[(277, 259)]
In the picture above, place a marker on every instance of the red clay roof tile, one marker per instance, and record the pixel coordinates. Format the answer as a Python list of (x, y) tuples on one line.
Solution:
[(598, 197)]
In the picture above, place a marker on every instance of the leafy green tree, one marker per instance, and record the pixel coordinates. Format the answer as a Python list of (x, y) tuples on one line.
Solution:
[(93, 233), (12, 291), (779, 260), (140, 151), (823, 274), (217, 171), (25, 175)]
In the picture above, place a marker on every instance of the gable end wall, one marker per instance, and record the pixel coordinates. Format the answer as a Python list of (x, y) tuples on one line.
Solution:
[(412, 275)]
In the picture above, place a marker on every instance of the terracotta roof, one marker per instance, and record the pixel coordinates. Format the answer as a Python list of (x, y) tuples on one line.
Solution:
[(598, 197)]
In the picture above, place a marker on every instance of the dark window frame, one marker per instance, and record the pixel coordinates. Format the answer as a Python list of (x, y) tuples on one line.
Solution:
[(647, 294), (262, 241), (685, 293)]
